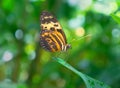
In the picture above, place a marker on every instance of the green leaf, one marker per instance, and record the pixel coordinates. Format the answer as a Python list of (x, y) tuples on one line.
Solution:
[(89, 82), (116, 18)]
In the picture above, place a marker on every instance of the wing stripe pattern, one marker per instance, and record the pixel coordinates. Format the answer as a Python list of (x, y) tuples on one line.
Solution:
[(45, 44), (56, 44), (58, 40), (62, 36), (50, 41)]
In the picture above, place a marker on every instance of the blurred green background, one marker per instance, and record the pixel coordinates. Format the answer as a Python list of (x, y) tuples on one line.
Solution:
[(24, 64)]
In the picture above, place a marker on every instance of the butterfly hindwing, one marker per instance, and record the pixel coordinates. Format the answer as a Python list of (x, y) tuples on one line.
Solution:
[(47, 41)]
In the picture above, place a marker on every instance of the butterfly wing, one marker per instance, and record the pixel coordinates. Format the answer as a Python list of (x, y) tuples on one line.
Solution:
[(52, 37)]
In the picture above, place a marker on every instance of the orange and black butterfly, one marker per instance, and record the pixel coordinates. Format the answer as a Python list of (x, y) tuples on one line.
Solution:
[(52, 37)]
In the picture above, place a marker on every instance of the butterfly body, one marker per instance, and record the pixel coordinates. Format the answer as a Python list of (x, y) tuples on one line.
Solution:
[(52, 37)]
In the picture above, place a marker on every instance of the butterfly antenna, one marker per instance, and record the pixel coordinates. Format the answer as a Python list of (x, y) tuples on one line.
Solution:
[(81, 38)]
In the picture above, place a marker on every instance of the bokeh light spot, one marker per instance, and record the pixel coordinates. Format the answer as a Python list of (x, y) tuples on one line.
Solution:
[(19, 34), (73, 2), (28, 38), (116, 33), (76, 22), (80, 32), (84, 4), (105, 7), (29, 48), (32, 55), (118, 13), (7, 56)]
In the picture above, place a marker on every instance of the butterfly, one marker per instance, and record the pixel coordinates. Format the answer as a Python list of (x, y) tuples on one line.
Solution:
[(52, 37)]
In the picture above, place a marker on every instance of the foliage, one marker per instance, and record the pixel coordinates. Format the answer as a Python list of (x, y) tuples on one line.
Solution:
[(24, 64), (90, 82)]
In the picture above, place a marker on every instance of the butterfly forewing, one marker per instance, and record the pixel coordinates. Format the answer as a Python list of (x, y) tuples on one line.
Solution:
[(52, 37)]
